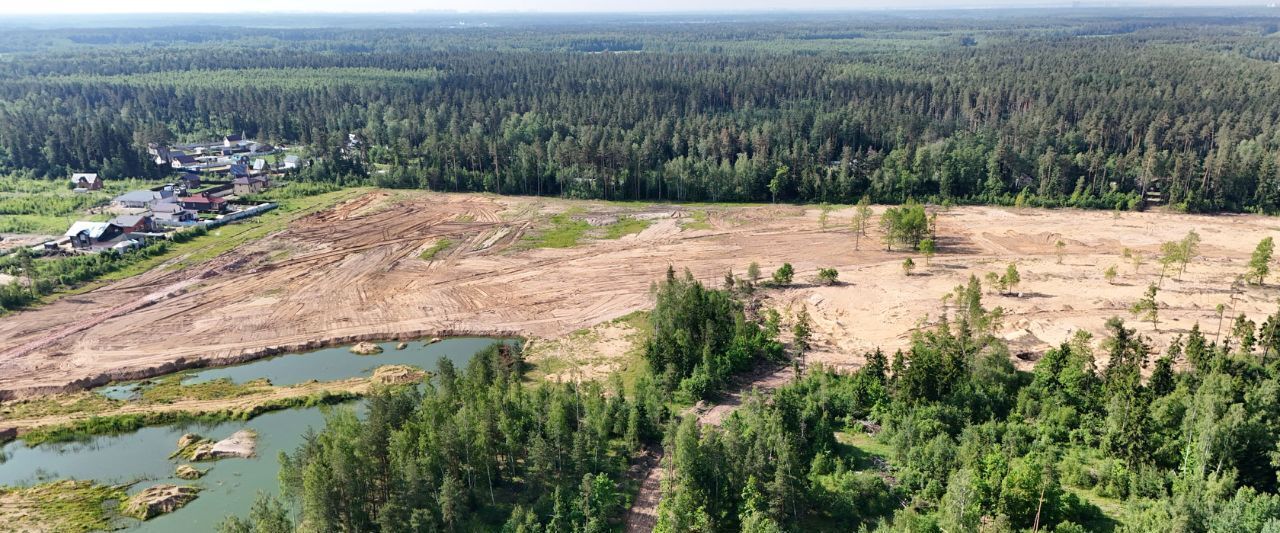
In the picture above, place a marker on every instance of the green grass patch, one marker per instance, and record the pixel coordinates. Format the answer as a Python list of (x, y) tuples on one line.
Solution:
[(863, 449), (78, 403), (117, 424), (61, 506), (439, 246), (698, 220), (635, 364), (170, 389), (565, 232), (1112, 509), (625, 226)]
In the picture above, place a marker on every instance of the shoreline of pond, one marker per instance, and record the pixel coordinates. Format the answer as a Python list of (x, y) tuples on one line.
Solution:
[(282, 371), (245, 355)]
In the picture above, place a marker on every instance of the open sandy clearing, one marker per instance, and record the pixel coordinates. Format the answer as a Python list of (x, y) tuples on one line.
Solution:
[(354, 272)]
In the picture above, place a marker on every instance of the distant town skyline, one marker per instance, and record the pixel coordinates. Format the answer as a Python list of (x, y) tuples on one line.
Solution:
[(74, 7)]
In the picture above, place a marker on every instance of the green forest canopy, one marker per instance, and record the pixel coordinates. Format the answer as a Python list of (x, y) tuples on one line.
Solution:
[(1086, 108)]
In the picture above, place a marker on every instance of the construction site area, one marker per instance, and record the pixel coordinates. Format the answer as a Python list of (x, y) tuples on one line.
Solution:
[(388, 265)]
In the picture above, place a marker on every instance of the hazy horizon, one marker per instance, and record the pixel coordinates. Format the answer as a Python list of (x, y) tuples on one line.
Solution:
[(151, 7)]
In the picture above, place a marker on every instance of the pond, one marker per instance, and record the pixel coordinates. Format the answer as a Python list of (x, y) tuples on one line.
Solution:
[(231, 484)]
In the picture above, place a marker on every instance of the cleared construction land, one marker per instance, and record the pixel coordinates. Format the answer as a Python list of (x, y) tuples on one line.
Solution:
[(389, 264)]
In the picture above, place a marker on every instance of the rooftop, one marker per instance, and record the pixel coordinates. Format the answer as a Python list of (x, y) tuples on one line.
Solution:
[(138, 196)]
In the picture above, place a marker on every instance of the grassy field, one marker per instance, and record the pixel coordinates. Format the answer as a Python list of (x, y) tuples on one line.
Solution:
[(49, 207), (565, 232), (698, 220), (625, 226)]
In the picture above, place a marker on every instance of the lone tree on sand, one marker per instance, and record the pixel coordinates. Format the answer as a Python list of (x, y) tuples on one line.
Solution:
[(1133, 257), (928, 248), (1010, 280), (753, 272), (828, 276), (1190, 248), (908, 265), (1058, 248), (1147, 308), (1110, 275), (861, 219), (783, 275), (1260, 262)]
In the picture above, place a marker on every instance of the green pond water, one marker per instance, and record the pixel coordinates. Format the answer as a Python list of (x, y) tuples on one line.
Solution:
[(231, 484)]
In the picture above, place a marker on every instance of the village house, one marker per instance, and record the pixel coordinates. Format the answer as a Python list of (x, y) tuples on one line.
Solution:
[(86, 182), (189, 180), (291, 161), (83, 234), (249, 185), (204, 203), (184, 161), (131, 223), (233, 141), (140, 199), (172, 212)]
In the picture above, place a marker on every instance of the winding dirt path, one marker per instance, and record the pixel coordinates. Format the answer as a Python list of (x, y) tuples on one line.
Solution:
[(642, 517)]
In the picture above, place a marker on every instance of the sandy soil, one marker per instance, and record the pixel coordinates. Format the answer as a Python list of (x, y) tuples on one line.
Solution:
[(353, 273)]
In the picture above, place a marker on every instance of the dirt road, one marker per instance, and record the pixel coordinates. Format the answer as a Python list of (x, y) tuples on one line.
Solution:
[(642, 517), (353, 273)]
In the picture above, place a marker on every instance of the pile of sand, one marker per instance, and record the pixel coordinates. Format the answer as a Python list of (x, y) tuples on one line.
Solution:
[(189, 472), (159, 500), (242, 443), (366, 348), (397, 375)]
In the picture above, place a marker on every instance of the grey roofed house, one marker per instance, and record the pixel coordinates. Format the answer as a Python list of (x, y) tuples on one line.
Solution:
[(239, 170), (172, 212), (128, 220), (259, 164), (166, 208), (291, 161), (137, 198)]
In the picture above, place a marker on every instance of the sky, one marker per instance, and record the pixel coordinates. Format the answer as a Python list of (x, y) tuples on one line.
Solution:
[(24, 7)]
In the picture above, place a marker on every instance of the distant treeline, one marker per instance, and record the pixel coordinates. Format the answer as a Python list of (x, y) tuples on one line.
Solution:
[(1089, 110)]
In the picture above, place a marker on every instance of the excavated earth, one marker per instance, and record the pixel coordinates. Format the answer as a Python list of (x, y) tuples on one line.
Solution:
[(354, 272)]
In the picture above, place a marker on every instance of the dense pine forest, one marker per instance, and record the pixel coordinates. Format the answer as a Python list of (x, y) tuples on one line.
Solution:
[(1082, 108)]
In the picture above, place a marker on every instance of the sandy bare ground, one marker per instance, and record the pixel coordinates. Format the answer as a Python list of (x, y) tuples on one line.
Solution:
[(353, 273)]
